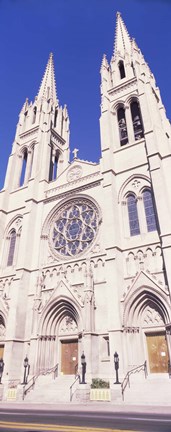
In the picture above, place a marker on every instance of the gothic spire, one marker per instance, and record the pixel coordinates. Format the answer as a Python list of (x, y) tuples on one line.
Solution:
[(48, 85), (122, 38)]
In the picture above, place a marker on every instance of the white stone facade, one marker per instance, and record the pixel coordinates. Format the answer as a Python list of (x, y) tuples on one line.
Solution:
[(85, 248)]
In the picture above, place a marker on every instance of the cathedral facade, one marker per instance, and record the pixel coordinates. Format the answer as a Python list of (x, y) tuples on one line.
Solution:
[(85, 248)]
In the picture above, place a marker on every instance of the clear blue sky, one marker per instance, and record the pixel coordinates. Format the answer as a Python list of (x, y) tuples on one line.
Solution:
[(78, 32)]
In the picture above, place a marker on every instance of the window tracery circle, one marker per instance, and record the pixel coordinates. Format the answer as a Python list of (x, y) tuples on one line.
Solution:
[(74, 228)]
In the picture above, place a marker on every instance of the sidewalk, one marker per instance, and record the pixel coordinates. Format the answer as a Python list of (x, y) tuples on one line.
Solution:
[(89, 407)]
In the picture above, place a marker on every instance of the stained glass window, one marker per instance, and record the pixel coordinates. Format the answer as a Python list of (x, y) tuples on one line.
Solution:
[(133, 215), (149, 210), (75, 228), (11, 248)]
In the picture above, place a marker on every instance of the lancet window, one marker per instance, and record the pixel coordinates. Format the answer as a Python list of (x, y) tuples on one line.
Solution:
[(54, 157), (122, 126), (121, 69), (34, 114), (149, 210), (133, 215), (24, 164), (136, 120), (12, 242)]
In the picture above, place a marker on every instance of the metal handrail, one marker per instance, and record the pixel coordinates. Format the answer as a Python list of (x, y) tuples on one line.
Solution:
[(31, 383), (71, 386), (126, 380)]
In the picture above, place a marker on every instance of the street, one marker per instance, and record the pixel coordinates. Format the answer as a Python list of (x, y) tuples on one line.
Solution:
[(81, 421)]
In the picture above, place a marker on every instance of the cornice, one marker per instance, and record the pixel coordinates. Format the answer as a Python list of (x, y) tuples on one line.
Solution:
[(122, 86), (32, 131), (70, 192), (70, 187), (57, 138)]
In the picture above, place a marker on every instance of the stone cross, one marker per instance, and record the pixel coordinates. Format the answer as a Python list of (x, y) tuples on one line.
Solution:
[(75, 151)]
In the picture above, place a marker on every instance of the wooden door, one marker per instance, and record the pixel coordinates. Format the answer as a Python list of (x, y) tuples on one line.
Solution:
[(157, 352), (69, 357), (1, 351)]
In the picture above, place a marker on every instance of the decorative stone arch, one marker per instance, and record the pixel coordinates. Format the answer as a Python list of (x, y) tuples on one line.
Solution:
[(60, 320), (14, 225), (133, 184), (138, 300), (32, 145), (117, 105), (54, 311), (146, 314), (22, 150), (132, 98)]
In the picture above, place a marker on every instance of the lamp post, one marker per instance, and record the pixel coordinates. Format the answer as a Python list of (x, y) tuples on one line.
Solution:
[(116, 364), (1, 368), (26, 366), (83, 364)]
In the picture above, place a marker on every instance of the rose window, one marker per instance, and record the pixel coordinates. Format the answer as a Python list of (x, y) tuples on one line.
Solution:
[(75, 228)]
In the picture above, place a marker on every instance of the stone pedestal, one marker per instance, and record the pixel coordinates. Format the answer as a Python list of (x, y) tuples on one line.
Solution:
[(83, 393)]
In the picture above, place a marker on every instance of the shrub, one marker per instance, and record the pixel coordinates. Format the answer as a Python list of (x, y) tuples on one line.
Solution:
[(99, 383)]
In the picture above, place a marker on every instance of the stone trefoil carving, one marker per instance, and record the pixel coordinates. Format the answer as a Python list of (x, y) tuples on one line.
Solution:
[(74, 173)]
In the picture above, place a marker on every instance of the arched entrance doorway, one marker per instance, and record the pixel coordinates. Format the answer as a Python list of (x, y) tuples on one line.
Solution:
[(58, 342), (145, 319)]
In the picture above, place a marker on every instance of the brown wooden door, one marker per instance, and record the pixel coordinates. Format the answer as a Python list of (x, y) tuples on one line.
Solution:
[(69, 357), (157, 352), (1, 351)]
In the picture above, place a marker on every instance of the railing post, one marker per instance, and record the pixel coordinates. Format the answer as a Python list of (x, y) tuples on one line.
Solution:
[(145, 368), (169, 368), (122, 392)]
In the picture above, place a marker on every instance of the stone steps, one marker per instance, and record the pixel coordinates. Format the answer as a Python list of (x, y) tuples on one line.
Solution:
[(155, 390), (151, 391), (48, 390)]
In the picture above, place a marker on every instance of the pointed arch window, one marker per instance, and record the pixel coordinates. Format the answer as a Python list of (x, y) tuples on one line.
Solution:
[(24, 164), (122, 126), (34, 114), (12, 243), (136, 120), (149, 210), (133, 215), (53, 169), (55, 117), (121, 69), (31, 157)]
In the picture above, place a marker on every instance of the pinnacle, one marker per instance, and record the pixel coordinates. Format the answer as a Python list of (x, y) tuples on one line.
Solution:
[(104, 61), (48, 85), (122, 37)]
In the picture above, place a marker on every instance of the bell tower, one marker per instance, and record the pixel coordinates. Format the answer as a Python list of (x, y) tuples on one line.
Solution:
[(135, 132), (41, 147)]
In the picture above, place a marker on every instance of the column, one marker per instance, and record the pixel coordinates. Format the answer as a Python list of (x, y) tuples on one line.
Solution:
[(129, 125)]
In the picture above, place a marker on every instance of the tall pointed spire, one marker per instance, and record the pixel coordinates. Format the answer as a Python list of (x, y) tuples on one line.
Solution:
[(48, 85), (122, 38)]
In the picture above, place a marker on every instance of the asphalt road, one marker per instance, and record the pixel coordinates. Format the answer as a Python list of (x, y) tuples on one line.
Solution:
[(81, 421)]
